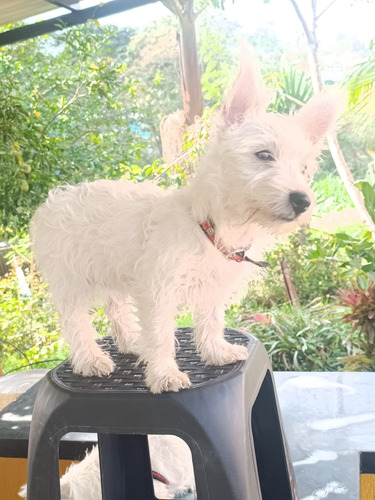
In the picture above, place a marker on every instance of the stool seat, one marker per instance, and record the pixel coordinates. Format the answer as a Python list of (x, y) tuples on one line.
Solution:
[(229, 418)]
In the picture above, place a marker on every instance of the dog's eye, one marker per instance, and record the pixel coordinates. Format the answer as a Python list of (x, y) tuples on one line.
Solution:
[(265, 156)]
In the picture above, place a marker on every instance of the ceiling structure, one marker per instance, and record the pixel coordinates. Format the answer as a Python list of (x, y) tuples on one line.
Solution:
[(70, 12)]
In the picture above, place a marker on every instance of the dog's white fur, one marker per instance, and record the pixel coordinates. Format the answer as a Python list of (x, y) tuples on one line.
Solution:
[(170, 457), (137, 246)]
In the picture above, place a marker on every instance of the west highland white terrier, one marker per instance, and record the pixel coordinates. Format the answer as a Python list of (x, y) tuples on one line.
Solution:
[(137, 247), (171, 463)]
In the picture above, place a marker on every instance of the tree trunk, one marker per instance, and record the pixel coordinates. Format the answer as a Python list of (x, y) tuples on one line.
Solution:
[(334, 146), (348, 180), (189, 64), (290, 288)]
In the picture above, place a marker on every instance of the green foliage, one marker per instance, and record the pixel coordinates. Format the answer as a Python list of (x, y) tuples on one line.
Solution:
[(355, 152), (153, 62), (28, 327), (353, 255), (368, 193), (293, 88), (360, 84), (67, 114), (298, 250), (331, 194), (29, 330), (195, 140), (312, 338), (217, 44), (361, 81), (307, 339)]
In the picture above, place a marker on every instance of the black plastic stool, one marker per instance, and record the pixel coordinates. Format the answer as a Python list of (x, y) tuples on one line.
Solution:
[(229, 418)]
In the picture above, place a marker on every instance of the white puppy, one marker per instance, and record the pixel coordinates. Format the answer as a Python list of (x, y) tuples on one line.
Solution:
[(170, 459), (135, 246)]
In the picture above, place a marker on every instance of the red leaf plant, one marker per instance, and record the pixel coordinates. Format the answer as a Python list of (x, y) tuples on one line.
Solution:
[(362, 317)]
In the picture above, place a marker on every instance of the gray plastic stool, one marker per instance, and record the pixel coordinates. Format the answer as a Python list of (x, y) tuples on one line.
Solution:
[(229, 418)]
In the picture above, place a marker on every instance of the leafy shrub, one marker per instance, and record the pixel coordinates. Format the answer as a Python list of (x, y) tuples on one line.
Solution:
[(312, 338), (361, 316), (331, 194), (354, 255), (29, 331), (301, 246), (293, 88), (300, 338), (68, 115)]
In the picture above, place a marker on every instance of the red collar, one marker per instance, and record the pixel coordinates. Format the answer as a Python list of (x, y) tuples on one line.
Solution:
[(236, 255), (159, 477)]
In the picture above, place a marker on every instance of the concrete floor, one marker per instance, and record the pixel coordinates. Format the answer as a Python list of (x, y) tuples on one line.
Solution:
[(328, 419)]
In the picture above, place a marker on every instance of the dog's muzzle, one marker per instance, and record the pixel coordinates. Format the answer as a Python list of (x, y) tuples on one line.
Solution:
[(299, 201)]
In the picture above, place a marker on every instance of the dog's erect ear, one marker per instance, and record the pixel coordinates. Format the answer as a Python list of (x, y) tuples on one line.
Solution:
[(247, 95), (318, 116)]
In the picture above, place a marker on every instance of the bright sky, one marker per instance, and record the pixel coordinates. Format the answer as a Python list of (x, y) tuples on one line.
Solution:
[(352, 18), (355, 19)]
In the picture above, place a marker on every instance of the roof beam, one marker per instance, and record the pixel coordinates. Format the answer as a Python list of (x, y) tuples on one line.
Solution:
[(61, 3), (67, 20)]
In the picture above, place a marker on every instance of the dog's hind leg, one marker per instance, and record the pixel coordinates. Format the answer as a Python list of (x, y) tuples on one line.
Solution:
[(209, 337), (86, 356), (124, 327)]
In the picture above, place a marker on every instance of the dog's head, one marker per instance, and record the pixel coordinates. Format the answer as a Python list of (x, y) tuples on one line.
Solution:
[(261, 163)]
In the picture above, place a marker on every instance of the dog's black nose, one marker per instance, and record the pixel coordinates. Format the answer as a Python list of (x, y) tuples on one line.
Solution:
[(299, 201)]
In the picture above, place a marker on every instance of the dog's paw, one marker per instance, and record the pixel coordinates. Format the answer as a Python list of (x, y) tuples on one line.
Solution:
[(98, 365), (172, 380), (223, 353)]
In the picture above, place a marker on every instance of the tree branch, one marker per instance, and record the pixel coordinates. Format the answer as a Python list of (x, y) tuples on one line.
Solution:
[(79, 137), (325, 10), (170, 165), (309, 34), (175, 7), (334, 146), (60, 111), (348, 181)]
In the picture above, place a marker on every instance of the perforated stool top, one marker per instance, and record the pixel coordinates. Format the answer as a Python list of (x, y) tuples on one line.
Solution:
[(128, 375)]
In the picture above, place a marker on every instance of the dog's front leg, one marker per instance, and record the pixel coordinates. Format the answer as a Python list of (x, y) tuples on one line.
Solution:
[(157, 346), (209, 337)]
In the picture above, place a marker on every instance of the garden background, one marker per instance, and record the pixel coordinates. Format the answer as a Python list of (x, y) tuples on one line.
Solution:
[(87, 103)]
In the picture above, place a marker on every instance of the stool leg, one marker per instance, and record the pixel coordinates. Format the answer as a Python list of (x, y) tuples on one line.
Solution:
[(125, 467), (224, 470), (276, 480), (43, 479), (241, 452)]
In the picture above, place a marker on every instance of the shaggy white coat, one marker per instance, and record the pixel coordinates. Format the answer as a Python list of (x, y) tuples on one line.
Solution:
[(139, 248), (170, 457)]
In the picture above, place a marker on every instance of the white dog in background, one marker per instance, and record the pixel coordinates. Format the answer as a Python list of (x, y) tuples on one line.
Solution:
[(139, 248), (170, 459)]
